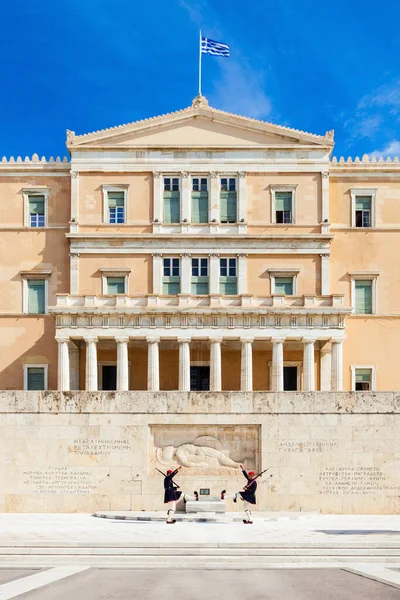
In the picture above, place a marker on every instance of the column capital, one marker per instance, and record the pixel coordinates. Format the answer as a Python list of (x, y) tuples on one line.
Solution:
[(325, 256), (122, 339), (214, 174), (333, 341), (63, 340), (186, 255), (278, 340), (242, 174), (214, 255), (156, 255), (241, 255), (246, 340), (216, 340), (91, 340), (184, 340), (74, 254), (309, 340), (156, 174), (152, 340), (185, 174), (325, 174)]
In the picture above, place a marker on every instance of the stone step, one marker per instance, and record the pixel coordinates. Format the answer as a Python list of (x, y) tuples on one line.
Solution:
[(185, 562), (200, 517), (140, 552)]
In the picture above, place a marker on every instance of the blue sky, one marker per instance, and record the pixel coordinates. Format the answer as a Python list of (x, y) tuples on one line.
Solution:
[(89, 64)]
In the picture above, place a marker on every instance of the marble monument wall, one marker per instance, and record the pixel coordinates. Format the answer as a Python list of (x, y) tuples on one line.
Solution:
[(88, 451)]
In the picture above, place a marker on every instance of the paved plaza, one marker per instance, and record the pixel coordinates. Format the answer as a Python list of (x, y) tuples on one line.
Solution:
[(292, 556)]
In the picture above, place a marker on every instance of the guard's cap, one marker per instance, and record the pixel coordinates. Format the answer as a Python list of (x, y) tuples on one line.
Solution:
[(251, 473), (169, 471)]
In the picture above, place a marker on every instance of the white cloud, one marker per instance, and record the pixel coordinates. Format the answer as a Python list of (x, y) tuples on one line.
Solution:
[(386, 96), (392, 149), (240, 90)]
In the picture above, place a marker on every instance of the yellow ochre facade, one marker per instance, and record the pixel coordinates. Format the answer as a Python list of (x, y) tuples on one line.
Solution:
[(199, 250)]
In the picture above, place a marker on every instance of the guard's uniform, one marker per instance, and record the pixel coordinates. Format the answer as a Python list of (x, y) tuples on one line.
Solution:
[(249, 494), (171, 494)]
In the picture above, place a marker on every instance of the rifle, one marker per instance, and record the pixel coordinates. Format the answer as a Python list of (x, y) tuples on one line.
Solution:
[(256, 477), (165, 475)]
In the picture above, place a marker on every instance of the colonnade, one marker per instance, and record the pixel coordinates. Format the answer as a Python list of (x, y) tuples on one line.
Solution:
[(330, 374)]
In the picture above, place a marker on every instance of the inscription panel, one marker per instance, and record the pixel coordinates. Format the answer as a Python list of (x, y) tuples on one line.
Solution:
[(355, 481)]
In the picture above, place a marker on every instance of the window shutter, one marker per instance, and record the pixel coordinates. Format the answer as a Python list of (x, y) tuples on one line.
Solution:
[(283, 201), (171, 207), (35, 378), (199, 286), (115, 285), (363, 375), (228, 207), (115, 199), (363, 301), (200, 207), (36, 205), (284, 285), (36, 296), (171, 286), (363, 202), (228, 286)]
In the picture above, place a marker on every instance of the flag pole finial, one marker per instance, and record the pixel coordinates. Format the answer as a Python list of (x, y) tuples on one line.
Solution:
[(200, 64), (199, 101)]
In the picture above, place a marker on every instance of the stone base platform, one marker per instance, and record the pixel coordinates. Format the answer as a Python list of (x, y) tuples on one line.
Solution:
[(202, 517), (206, 505)]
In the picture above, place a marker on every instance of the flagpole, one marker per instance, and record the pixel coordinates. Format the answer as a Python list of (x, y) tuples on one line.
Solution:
[(200, 64)]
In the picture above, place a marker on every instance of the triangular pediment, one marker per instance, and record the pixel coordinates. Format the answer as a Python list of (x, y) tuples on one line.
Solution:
[(198, 126)]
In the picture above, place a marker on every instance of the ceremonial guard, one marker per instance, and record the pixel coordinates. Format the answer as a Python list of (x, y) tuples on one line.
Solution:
[(248, 494), (172, 494)]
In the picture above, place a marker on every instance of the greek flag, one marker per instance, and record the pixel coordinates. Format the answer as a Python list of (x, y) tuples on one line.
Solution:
[(212, 47)]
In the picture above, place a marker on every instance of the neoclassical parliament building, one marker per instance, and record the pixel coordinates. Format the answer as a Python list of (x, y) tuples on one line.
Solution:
[(199, 250)]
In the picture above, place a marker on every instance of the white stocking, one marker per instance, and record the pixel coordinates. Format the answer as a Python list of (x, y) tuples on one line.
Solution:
[(171, 510)]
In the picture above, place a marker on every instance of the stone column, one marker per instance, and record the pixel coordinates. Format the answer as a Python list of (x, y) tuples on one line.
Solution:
[(325, 197), (337, 366), (214, 198), (91, 364), (277, 364), (241, 213), (64, 380), (214, 273), (246, 369), (184, 364), (215, 365), (325, 274), (122, 364), (186, 197), (74, 273), (153, 365), (242, 274), (186, 273), (157, 273), (157, 197), (308, 366), (325, 368), (74, 196)]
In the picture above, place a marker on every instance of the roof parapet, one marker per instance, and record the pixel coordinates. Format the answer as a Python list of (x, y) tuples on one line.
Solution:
[(34, 160), (365, 160)]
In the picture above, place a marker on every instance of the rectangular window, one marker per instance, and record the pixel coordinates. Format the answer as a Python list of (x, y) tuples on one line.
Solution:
[(228, 276), (199, 200), (363, 211), (283, 207), (116, 206), (228, 200), (363, 296), (363, 380), (36, 296), (36, 204), (199, 276), (172, 211), (171, 276), (116, 285), (284, 285), (35, 378)]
